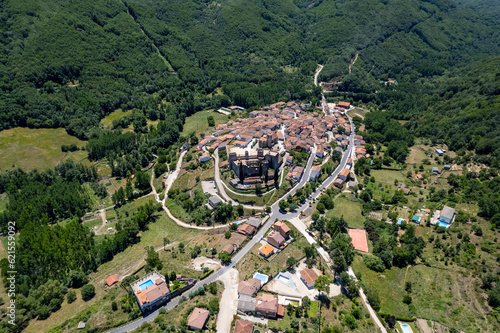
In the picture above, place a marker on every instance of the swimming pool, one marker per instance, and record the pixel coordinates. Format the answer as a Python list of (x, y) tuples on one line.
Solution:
[(261, 277), (442, 224), (406, 328), (146, 284), (401, 220)]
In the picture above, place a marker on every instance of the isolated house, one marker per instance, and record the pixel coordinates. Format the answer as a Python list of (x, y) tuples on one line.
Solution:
[(111, 280), (214, 201), (447, 215), (228, 248), (308, 276), (197, 319)]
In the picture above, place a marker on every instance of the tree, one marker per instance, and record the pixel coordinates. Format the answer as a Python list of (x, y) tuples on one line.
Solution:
[(374, 263), (71, 296), (227, 234), (293, 206), (322, 284), (291, 262), (327, 201), (283, 205), (213, 305), (211, 121), (224, 257), (258, 189), (240, 210), (88, 292), (276, 178), (166, 241), (128, 190), (320, 207), (141, 180)]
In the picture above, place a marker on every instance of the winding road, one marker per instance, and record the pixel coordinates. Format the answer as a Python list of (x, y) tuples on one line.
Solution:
[(275, 214)]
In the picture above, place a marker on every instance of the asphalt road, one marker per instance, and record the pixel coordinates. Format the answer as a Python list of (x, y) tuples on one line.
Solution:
[(276, 214)]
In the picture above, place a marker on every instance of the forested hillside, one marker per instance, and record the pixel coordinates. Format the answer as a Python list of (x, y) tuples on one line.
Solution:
[(68, 64)]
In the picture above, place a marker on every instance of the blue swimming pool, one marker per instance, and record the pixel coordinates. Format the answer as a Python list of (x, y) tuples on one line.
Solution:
[(442, 224), (401, 220), (237, 223), (261, 277), (406, 328), (146, 284)]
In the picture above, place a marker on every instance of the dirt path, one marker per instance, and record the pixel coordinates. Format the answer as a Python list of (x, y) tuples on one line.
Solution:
[(422, 324), (353, 61), (228, 302)]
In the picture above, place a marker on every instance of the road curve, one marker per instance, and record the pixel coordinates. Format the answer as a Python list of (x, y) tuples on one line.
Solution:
[(276, 214)]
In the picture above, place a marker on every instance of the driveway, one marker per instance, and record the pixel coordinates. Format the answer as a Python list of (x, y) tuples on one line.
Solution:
[(229, 301)]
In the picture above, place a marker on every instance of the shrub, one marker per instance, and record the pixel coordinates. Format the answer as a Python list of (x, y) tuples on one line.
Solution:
[(374, 263), (71, 296), (227, 234), (88, 292)]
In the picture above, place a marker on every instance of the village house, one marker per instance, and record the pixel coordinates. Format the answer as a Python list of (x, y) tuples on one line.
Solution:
[(275, 239), (266, 305), (344, 174), (197, 319), (447, 215), (249, 287), (243, 326), (266, 251), (246, 229), (282, 228), (315, 172), (308, 276), (229, 248)]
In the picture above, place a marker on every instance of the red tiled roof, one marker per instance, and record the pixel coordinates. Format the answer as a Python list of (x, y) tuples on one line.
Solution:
[(111, 280), (309, 275)]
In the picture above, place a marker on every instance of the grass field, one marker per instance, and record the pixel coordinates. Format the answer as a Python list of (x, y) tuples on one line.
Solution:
[(117, 114), (198, 122), (36, 148), (351, 210)]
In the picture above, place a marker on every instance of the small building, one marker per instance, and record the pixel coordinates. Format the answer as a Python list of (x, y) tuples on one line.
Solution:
[(275, 239), (229, 248), (338, 183), (419, 177), (246, 303), (315, 172), (214, 201), (447, 167), (416, 219), (447, 215), (282, 228), (267, 306), (344, 174), (205, 157), (436, 170), (197, 319), (254, 222), (249, 287), (440, 152), (111, 280), (344, 105), (266, 251), (246, 229), (308, 276), (352, 184), (243, 326)]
